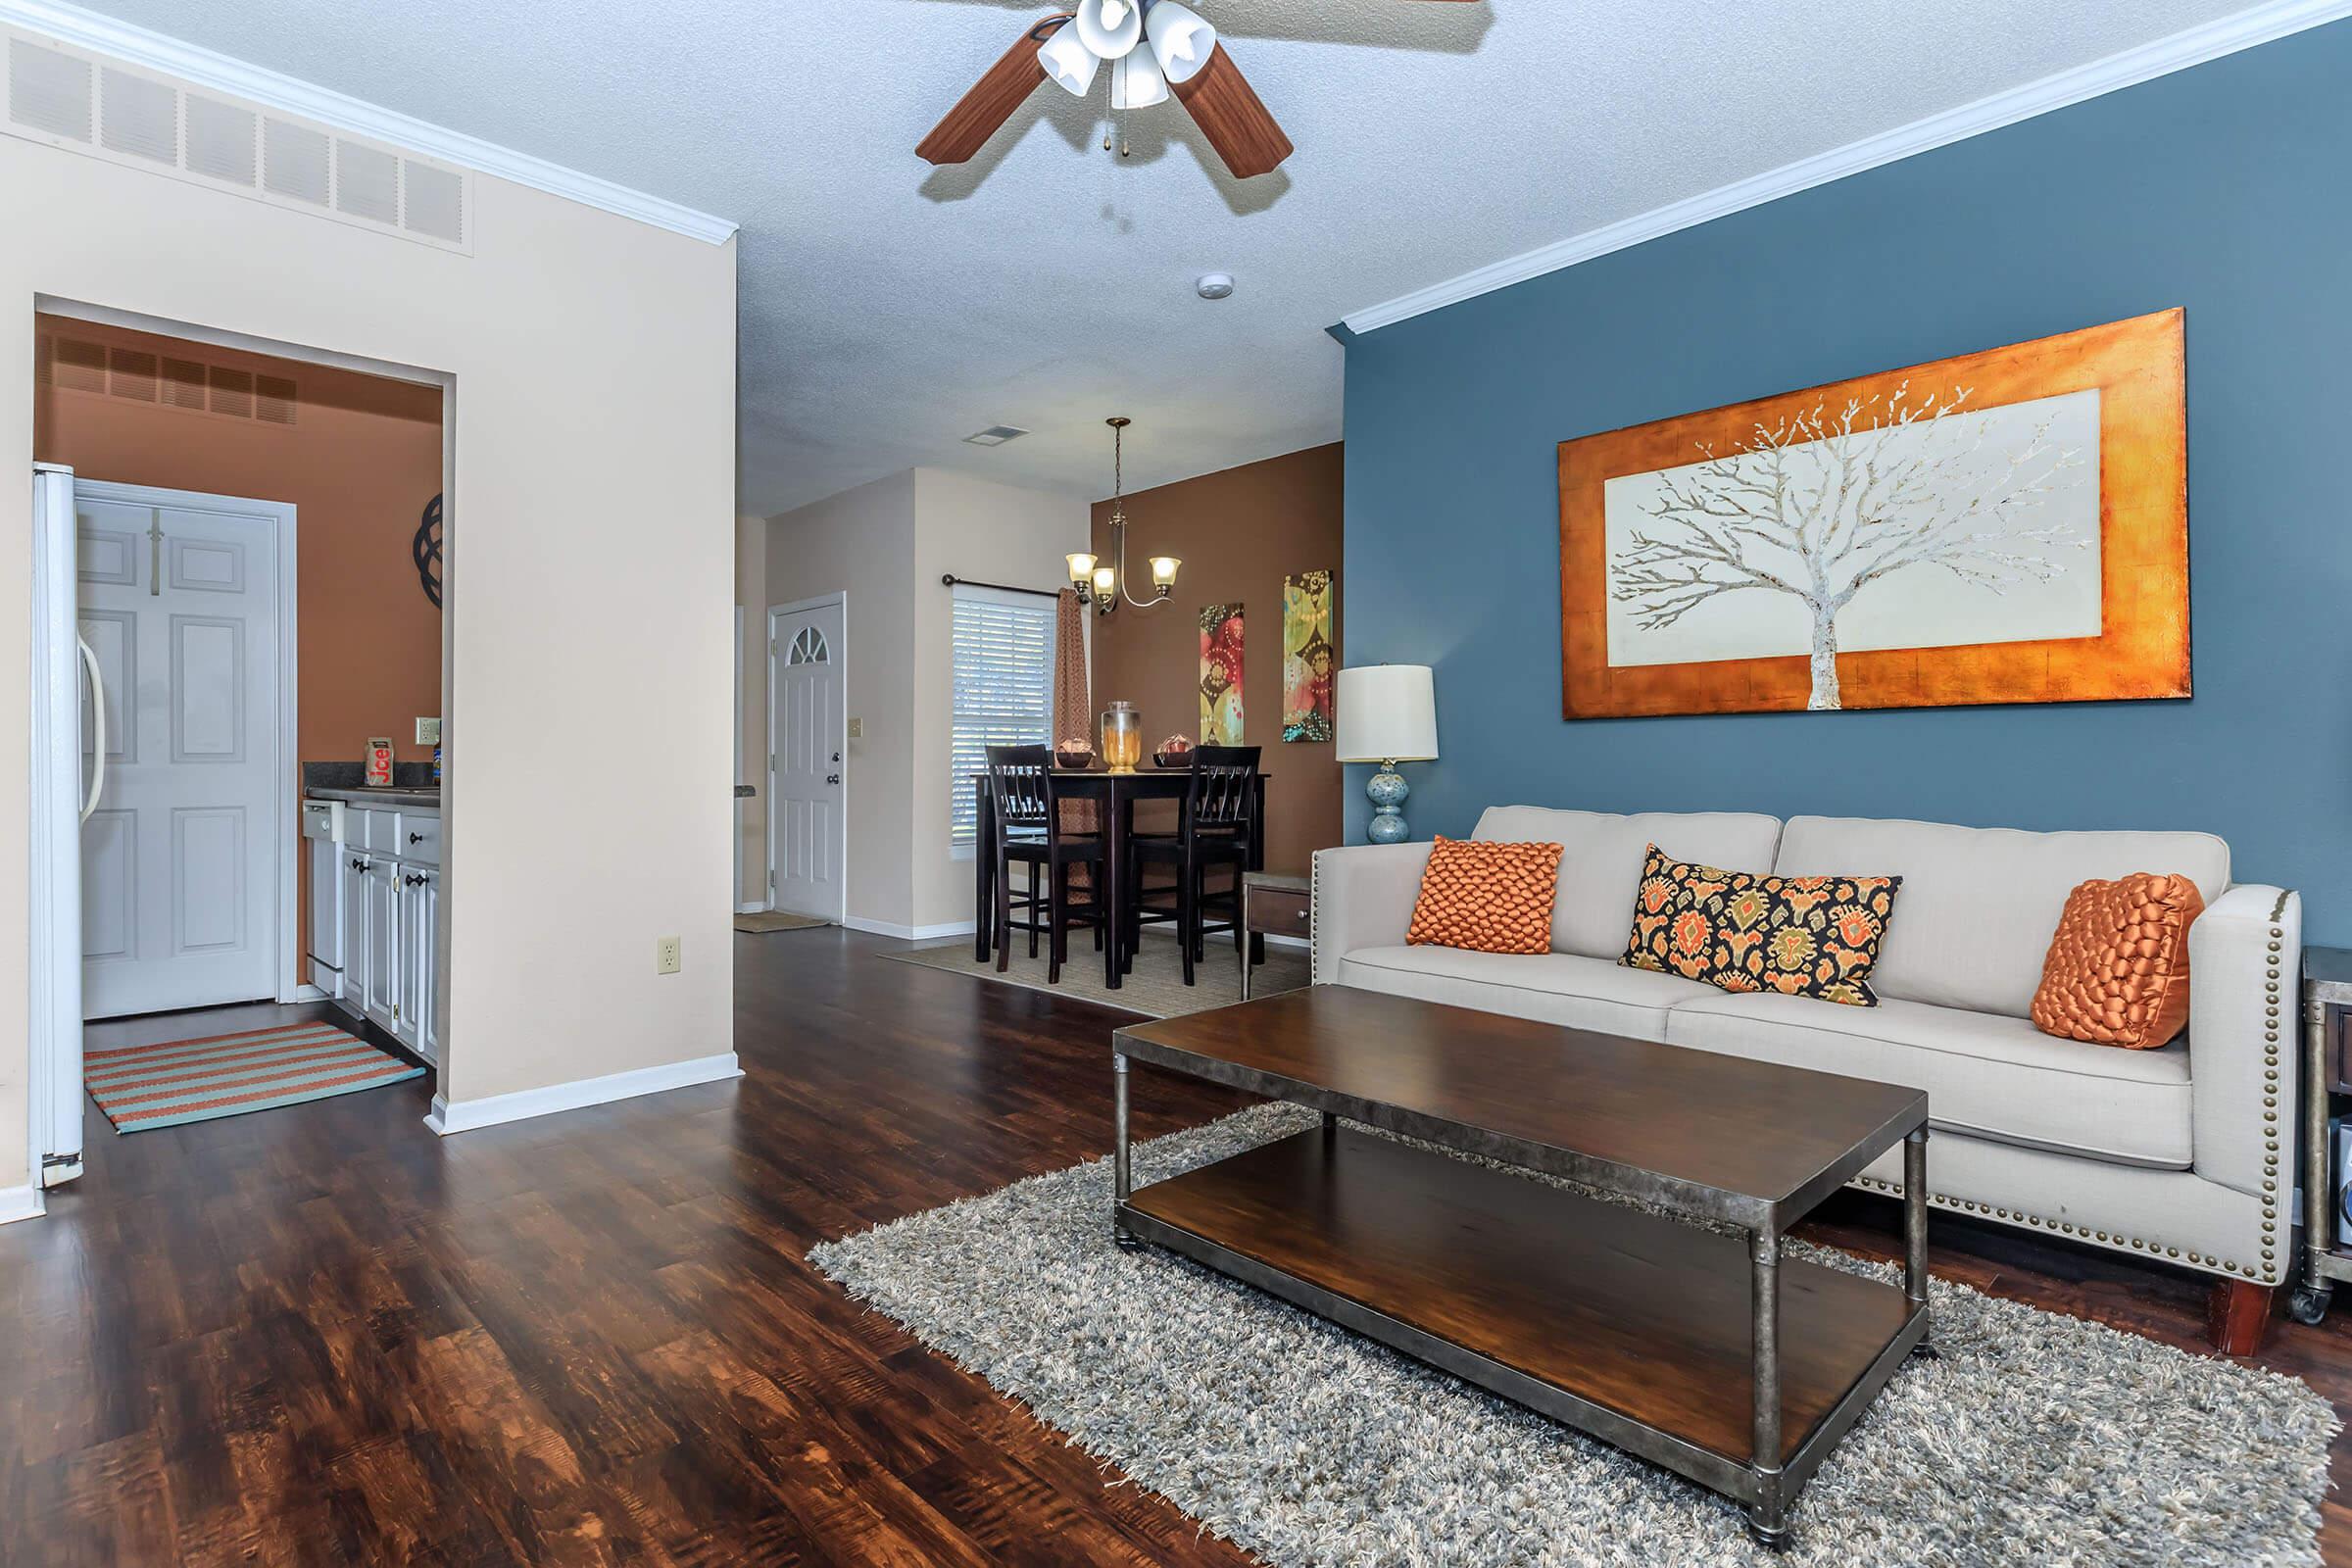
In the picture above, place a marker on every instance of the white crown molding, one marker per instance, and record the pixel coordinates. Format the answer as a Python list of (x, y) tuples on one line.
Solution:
[(465, 1115), (172, 57), (2181, 50)]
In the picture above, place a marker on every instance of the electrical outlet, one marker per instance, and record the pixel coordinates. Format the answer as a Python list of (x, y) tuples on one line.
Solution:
[(428, 732), (857, 729), (665, 956)]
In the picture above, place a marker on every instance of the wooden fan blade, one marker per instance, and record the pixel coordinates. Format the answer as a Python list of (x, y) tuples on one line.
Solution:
[(991, 102), (1229, 113)]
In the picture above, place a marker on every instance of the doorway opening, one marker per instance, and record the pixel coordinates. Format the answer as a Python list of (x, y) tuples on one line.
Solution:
[(239, 682), (809, 748)]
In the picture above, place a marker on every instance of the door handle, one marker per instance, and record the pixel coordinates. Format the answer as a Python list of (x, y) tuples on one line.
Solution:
[(89, 660)]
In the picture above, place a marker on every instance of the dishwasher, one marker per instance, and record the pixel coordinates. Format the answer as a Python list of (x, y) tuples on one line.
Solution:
[(322, 845)]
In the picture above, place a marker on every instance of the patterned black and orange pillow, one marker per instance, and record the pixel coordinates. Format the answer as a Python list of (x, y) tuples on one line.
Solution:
[(1802, 936)]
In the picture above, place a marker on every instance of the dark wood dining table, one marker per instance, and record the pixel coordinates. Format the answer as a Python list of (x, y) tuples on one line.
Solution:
[(1116, 793)]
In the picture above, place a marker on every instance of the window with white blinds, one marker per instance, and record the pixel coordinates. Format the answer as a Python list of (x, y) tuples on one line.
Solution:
[(1004, 689)]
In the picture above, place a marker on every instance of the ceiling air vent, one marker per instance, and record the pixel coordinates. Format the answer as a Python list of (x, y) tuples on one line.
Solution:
[(996, 435), (48, 90), (138, 117), (274, 400), (184, 385), (130, 374), (294, 161), (220, 140), (65, 97), (79, 366), (232, 392)]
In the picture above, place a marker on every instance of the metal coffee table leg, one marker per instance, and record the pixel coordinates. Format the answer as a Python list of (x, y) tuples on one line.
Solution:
[(1122, 1175), (1915, 1228), (1767, 1516)]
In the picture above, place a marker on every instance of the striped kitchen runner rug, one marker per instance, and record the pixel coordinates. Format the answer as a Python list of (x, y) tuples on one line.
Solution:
[(177, 1081)]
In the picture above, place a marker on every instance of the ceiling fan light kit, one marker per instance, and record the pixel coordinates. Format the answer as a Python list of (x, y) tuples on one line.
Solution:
[(1156, 49)]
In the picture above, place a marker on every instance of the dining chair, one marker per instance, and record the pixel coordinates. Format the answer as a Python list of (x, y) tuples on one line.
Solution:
[(1216, 828), (1030, 832)]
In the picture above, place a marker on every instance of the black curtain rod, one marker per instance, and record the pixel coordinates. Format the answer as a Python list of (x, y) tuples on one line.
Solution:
[(951, 580)]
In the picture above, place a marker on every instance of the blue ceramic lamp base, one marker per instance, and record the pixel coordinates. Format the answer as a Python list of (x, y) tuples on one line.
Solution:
[(1387, 791)]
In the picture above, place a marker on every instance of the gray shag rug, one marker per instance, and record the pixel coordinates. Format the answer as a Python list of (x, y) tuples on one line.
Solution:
[(2035, 1438)]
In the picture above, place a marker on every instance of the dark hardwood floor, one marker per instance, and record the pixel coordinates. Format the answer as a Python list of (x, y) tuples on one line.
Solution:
[(321, 1335)]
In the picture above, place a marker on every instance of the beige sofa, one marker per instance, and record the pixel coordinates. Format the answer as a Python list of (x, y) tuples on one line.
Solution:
[(2183, 1153)]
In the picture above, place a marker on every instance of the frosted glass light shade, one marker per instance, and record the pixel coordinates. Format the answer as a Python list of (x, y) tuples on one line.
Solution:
[(1106, 581), (1163, 570), (1388, 714), (1069, 62), (1136, 82), (1181, 39), (1082, 568), (1110, 27)]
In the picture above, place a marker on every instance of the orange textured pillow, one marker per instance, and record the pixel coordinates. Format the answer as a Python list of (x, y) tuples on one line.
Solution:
[(2117, 973), (1489, 898)]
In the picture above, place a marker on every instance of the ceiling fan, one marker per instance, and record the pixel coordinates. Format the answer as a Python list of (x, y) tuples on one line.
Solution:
[(1153, 48)]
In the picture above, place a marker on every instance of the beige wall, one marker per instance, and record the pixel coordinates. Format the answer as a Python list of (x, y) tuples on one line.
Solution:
[(750, 596), (590, 570), (862, 542), (993, 533), (888, 544)]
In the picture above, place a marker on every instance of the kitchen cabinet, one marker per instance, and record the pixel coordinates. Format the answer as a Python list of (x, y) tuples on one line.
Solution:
[(375, 905)]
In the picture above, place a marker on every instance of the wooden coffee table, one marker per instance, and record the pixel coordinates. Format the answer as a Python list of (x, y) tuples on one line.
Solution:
[(1705, 1352)]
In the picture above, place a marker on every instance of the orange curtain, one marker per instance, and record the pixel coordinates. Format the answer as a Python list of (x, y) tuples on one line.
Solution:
[(1073, 707)]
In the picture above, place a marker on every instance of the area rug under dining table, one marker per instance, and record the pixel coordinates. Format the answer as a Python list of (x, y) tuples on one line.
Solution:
[(2032, 1438)]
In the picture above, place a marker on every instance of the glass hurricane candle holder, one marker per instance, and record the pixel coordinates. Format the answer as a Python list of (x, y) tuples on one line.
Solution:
[(1122, 738)]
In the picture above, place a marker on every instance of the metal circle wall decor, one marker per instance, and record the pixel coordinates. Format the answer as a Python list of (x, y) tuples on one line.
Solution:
[(427, 548)]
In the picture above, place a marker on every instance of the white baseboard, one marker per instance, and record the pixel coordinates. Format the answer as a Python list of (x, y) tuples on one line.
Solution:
[(467, 1114), (20, 1203), (307, 992), (908, 933), (751, 909)]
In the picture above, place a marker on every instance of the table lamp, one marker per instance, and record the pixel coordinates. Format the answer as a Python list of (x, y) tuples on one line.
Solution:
[(1388, 715)]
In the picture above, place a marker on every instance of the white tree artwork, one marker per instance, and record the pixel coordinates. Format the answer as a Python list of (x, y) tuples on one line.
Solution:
[(1893, 520)]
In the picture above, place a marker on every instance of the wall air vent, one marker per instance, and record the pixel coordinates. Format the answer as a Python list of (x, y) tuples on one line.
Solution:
[(996, 435), (67, 97), (191, 386)]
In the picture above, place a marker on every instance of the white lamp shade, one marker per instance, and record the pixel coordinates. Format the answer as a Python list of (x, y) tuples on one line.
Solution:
[(1388, 714), (1136, 81), (1181, 39), (1068, 60), (1110, 27)]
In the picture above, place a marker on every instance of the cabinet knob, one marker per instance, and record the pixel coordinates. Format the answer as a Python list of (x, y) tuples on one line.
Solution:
[(415, 838)]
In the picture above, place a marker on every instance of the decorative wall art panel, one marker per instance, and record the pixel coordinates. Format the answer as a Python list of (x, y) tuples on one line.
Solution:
[(1309, 662), (2009, 526), (1221, 676)]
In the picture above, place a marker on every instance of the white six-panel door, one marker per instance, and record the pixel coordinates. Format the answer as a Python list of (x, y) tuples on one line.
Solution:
[(806, 733), (181, 861)]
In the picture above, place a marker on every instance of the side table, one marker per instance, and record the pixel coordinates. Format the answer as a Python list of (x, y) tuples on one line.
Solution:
[(2326, 993), (1279, 903)]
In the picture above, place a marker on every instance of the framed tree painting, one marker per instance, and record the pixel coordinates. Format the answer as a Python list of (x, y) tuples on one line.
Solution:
[(1221, 676), (2010, 526)]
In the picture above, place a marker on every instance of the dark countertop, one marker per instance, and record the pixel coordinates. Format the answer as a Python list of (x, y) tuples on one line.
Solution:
[(430, 798)]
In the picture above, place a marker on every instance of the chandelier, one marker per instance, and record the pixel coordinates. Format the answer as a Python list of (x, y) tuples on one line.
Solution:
[(1147, 50), (1104, 586)]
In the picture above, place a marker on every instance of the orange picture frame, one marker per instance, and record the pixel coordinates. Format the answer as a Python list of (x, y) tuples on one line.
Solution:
[(2141, 649)]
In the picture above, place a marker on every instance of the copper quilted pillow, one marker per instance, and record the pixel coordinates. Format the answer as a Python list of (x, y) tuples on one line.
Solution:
[(2117, 973), (1489, 898)]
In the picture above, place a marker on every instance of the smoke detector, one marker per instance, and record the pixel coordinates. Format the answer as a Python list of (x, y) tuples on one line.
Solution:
[(1213, 285)]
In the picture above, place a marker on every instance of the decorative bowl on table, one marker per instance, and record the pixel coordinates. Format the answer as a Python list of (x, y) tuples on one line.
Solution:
[(1174, 752), (1073, 755)]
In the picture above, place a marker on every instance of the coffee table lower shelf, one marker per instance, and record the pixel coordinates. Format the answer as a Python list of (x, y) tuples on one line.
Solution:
[(1610, 1319)]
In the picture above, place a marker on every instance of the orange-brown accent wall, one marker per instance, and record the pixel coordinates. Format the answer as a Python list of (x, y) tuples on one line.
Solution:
[(359, 462), (1239, 533)]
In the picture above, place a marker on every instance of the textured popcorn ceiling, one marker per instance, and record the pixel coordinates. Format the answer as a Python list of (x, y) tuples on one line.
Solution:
[(889, 309)]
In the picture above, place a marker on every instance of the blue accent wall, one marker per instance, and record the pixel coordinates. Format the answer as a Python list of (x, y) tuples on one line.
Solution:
[(2226, 189)]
